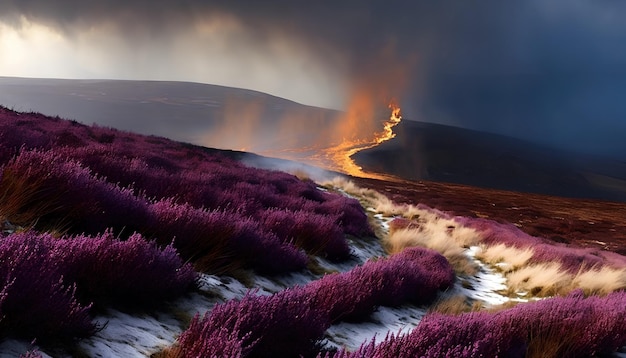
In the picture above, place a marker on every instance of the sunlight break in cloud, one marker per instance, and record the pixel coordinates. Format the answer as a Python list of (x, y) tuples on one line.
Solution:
[(217, 49), (34, 50)]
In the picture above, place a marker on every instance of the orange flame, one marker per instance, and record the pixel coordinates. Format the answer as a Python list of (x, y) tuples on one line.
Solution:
[(323, 139), (340, 156), (393, 121)]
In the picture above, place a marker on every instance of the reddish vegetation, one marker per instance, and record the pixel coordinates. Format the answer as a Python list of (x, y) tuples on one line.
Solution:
[(571, 326), (61, 175), (586, 223), (289, 323), (47, 285), (144, 201), (205, 206)]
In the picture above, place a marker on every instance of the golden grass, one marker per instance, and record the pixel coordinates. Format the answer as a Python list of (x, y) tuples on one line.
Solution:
[(431, 238), (506, 258), (541, 280), (599, 281), (23, 202), (449, 238), (549, 279), (453, 305), (435, 232)]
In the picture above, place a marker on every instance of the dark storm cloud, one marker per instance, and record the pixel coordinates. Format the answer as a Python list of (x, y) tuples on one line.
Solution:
[(550, 70)]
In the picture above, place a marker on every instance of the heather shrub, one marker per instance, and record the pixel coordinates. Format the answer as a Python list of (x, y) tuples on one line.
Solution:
[(43, 278), (35, 302), (61, 175), (265, 251), (57, 193), (132, 272), (317, 234), (196, 233), (71, 197), (282, 325), (350, 215), (217, 240), (290, 322), (571, 326), (107, 270), (413, 276)]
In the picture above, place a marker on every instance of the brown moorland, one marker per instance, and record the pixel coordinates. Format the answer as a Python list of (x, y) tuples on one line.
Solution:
[(579, 222)]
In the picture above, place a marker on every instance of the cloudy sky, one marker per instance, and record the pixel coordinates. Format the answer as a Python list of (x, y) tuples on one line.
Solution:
[(549, 70)]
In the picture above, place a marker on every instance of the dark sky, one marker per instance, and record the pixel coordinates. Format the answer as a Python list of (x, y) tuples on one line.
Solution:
[(548, 70)]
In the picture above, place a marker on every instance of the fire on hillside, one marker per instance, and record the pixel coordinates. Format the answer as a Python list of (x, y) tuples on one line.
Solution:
[(339, 157)]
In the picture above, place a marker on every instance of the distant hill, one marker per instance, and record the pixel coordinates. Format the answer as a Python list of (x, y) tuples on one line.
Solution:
[(426, 151), (189, 112), (233, 118)]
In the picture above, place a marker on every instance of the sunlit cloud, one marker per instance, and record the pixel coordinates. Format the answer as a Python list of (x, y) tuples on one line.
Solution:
[(34, 50), (209, 49)]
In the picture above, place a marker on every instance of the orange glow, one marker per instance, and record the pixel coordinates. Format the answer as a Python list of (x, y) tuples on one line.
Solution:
[(340, 156), (394, 119), (324, 139)]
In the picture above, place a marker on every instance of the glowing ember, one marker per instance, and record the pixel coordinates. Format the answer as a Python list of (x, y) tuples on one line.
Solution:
[(340, 156)]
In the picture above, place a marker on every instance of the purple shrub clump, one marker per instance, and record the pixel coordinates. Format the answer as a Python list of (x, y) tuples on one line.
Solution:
[(415, 276), (290, 322), (43, 279), (350, 214), (264, 251), (35, 302), (285, 324), (214, 239), (572, 326), (66, 194), (315, 233), (84, 179), (131, 272)]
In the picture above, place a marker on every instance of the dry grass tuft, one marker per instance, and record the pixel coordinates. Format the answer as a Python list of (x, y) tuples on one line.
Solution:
[(24, 201), (453, 305), (550, 342), (543, 280), (506, 258), (540, 280), (599, 281), (433, 229), (437, 240)]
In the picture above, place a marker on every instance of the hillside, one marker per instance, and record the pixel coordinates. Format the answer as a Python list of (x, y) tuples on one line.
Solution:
[(115, 243), (439, 153)]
